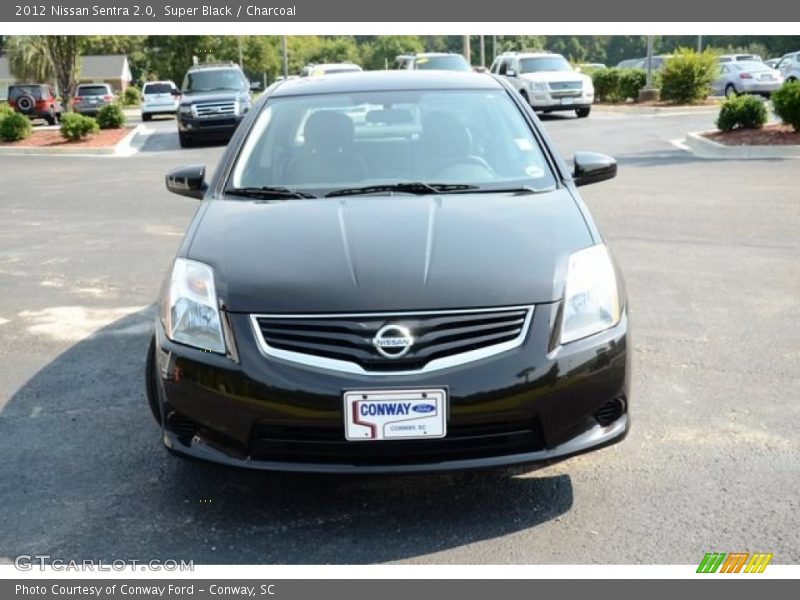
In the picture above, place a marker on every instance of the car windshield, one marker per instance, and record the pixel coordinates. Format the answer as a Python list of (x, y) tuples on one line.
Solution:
[(318, 144), (16, 91), (92, 90), (214, 80), (544, 63), (157, 88), (452, 62)]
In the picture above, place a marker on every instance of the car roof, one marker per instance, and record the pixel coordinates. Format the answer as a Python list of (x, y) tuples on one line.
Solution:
[(376, 81)]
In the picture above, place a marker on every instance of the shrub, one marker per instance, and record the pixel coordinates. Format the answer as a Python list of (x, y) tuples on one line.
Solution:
[(75, 126), (687, 76), (606, 85), (618, 85), (111, 117), (15, 127), (742, 112), (131, 96), (786, 104), (5, 110), (631, 81)]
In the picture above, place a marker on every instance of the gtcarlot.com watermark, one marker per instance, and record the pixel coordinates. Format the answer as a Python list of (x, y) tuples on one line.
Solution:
[(42, 562)]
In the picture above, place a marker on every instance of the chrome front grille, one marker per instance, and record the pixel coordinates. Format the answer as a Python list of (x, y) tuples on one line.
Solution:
[(346, 342), (215, 109), (565, 85)]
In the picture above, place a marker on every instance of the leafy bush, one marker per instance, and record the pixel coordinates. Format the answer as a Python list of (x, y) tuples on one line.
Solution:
[(75, 126), (687, 76), (618, 85), (15, 127), (5, 110), (742, 112), (786, 104), (131, 96), (110, 117)]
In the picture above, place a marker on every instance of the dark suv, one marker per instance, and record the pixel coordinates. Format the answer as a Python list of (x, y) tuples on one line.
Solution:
[(215, 98), (36, 101)]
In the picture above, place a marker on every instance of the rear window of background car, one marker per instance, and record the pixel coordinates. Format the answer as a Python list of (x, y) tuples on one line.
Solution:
[(92, 90), (157, 88)]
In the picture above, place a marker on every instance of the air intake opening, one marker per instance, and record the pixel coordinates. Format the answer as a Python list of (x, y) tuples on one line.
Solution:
[(183, 426), (610, 411)]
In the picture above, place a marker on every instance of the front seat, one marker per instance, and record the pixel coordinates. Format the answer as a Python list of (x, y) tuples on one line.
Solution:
[(327, 156)]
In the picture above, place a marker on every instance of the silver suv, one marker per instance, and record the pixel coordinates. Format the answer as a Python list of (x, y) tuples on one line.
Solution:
[(546, 81), (91, 97)]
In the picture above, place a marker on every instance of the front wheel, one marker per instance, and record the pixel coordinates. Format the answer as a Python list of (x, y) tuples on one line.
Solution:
[(146, 117), (583, 112), (524, 95), (151, 381), (185, 140)]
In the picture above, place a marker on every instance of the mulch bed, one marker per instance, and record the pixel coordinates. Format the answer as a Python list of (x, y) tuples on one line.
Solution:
[(51, 138), (769, 135)]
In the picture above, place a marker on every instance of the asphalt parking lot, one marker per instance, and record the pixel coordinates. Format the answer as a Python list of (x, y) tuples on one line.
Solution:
[(710, 250)]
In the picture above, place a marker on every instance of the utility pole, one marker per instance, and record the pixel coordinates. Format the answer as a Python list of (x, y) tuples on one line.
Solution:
[(699, 43), (649, 80), (239, 39), (483, 52), (285, 53), (467, 51), (494, 47)]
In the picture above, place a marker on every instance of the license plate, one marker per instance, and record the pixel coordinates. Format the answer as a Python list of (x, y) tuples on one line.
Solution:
[(93, 100), (567, 100), (376, 415)]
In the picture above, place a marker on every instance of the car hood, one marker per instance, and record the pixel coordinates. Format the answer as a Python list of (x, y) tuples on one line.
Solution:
[(555, 76), (389, 253)]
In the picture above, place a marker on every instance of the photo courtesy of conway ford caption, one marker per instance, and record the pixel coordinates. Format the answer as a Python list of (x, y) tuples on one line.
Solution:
[(391, 272)]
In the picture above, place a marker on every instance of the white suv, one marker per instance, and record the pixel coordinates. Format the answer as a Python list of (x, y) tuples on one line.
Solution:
[(546, 81)]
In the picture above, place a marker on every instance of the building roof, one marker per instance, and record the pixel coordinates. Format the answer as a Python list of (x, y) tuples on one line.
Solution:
[(102, 66), (105, 66)]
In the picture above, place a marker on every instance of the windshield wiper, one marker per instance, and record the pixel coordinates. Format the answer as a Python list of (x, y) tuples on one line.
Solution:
[(269, 192), (419, 188)]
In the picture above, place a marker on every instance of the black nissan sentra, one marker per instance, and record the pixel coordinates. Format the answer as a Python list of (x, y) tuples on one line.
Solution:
[(391, 272)]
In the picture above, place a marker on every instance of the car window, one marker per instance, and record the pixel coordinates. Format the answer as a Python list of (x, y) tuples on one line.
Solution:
[(92, 90), (504, 66), (751, 65), (543, 63), (322, 142), (214, 80), (451, 62), (16, 91), (157, 88)]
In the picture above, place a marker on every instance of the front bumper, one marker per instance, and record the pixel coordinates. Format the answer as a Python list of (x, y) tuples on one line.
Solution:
[(524, 406), (544, 101), (212, 126)]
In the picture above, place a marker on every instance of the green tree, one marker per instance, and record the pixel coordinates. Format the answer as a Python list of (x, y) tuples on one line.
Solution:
[(28, 59), (63, 53), (383, 50)]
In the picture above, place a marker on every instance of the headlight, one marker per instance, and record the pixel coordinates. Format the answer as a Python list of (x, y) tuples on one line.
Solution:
[(192, 311), (185, 109), (591, 300), (539, 86)]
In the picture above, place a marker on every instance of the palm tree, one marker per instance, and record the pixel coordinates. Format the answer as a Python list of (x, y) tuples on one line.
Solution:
[(28, 59)]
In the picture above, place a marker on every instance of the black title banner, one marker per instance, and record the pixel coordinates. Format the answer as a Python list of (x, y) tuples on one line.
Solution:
[(405, 11)]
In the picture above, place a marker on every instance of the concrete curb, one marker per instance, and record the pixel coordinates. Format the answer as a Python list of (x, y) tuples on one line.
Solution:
[(124, 147), (703, 147), (634, 109)]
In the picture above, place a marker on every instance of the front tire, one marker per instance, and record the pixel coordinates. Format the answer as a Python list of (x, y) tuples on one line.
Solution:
[(151, 381), (524, 95), (146, 117), (184, 140), (583, 112)]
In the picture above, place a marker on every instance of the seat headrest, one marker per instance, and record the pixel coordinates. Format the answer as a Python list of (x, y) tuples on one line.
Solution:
[(328, 131)]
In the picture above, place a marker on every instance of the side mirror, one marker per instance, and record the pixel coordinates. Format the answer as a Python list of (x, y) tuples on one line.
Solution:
[(255, 85), (176, 92), (511, 73), (591, 167), (188, 181)]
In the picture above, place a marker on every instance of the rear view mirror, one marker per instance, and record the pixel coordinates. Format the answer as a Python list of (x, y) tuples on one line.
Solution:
[(255, 85), (188, 181), (591, 167)]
